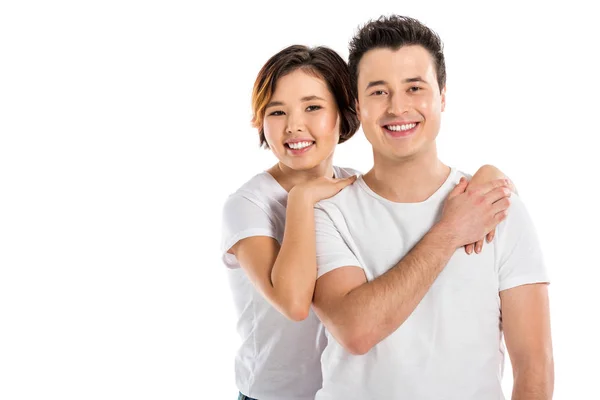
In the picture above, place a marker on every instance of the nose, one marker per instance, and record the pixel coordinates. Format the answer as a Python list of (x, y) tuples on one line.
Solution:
[(295, 123), (398, 104)]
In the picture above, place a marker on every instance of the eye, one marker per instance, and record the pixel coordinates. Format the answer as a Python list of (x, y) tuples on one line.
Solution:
[(313, 108), (414, 89), (277, 113), (378, 93)]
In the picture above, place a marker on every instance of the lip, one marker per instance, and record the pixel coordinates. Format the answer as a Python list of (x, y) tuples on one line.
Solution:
[(297, 140), (400, 134), (297, 152)]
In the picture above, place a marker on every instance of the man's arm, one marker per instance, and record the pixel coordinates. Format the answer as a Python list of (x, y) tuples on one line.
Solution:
[(360, 314), (526, 322)]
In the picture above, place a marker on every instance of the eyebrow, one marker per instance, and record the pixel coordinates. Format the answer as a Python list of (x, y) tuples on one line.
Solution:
[(415, 79), (274, 103), (407, 80), (305, 98)]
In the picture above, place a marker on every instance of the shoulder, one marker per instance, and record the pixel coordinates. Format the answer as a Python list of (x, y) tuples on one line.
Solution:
[(518, 223), (261, 183), (456, 174), (344, 172), (517, 212), (257, 191), (344, 202)]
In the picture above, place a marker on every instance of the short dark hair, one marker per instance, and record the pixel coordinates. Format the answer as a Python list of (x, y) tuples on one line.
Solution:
[(393, 32), (322, 62)]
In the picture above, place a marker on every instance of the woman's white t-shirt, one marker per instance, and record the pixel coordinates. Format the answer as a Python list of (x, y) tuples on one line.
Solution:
[(278, 359)]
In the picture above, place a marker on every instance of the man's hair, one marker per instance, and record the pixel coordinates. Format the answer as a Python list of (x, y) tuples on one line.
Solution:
[(393, 32), (321, 62)]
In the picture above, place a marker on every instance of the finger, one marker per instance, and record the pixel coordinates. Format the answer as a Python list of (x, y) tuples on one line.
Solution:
[(469, 248), (512, 187), (497, 219), (478, 246), (501, 205), (347, 181), (497, 194), (501, 216), (459, 188), (490, 236), (487, 187)]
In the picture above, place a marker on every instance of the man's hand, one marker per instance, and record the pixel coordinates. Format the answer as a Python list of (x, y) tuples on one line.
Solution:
[(486, 173), (471, 213)]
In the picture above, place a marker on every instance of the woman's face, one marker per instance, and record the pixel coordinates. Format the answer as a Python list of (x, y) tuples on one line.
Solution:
[(302, 123)]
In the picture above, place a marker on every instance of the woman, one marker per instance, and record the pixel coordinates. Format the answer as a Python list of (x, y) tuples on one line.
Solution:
[(303, 107)]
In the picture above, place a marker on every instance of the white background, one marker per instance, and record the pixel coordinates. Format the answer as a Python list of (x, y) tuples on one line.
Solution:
[(124, 125)]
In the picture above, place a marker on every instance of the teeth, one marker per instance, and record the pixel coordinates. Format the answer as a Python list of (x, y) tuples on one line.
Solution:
[(399, 128), (299, 145)]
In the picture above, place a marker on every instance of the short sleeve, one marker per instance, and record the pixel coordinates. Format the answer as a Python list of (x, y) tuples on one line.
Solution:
[(519, 257), (332, 250), (243, 217)]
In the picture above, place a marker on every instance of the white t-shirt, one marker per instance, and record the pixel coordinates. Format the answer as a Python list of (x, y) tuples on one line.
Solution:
[(451, 345), (279, 359)]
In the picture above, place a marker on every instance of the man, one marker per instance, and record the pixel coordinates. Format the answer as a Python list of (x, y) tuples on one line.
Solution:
[(404, 323)]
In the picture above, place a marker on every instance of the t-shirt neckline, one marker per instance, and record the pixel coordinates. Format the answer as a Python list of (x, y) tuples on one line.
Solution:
[(439, 192)]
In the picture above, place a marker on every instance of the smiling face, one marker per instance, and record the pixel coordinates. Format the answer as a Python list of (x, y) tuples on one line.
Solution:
[(302, 123), (399, 101)]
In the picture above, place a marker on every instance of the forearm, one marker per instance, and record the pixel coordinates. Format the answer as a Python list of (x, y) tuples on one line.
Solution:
[(533, 382), (294, 271), (372, 311)]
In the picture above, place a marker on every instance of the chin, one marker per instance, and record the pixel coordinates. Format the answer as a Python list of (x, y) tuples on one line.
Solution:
[(302, 165)]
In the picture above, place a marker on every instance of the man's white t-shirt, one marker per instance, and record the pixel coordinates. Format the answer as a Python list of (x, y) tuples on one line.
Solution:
[(451, 345), (278, 359)]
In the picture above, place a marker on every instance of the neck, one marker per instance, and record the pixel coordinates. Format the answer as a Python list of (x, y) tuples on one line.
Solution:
[(411, 179), (288, 177)]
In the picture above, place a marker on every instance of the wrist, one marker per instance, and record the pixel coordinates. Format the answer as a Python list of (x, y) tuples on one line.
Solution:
[(301, 195), (446, 234)]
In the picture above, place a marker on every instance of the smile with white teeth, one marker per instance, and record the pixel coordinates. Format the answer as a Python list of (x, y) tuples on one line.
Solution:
[(299, 145), (401, 128)]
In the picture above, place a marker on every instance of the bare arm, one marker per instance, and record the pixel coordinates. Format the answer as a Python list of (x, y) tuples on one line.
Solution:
[(286, 275), (526, 323), (360, 314)]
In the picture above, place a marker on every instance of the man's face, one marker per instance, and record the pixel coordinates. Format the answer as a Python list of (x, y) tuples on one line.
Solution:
[(399, 101)]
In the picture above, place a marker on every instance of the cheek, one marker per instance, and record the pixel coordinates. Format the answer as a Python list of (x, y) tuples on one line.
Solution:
[(425, 104), (430, 105), (272, 131), (371, 110), (365, 114), (327, 126)]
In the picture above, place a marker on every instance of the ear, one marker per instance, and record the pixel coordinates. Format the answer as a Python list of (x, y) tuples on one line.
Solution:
[(357, 106), (444, 98)]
